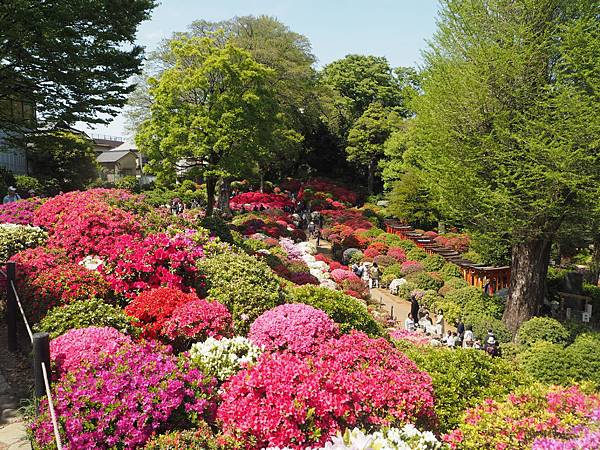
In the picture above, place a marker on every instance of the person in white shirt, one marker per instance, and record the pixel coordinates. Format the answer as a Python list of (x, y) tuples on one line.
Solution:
[(439, 323), (409, 323), (469, 337)]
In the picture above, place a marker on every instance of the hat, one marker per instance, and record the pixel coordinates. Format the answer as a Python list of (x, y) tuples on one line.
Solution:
[(491, 340), (12, 189)]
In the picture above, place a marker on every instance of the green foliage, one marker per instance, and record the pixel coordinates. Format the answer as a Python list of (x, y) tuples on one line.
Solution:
[(452, 311), (416, 254), (411, 200), (6, 179), (430, 299), (347, 311), (70, 60), (218, 227), (492, 249), (467, 295), (356, 257), (404, 244), (450, 271), (542, 329), (25, 183), (425, 281), (85, 313), (15, 238), (130, 183), (200, 438), (393, 269), (462, 378), (433, 263), (231, 121), (244, 284), (63, 160)]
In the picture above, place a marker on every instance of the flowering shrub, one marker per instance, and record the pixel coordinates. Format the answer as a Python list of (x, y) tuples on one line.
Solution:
[(251, 200), (407, 437), (223, 358), (586, 439), (410, 336), (302, 278), (348, 312), (336, 191), (62, 285), (200, 438), (21, 212), (156, 260), (526, 416), (297, 328), (340, 275), (76, 346), (85, 313), (32, 261), (371, 253), (195, 321), (411, 267), (16, 238), (119, 400), (154, 308), (353, 381)]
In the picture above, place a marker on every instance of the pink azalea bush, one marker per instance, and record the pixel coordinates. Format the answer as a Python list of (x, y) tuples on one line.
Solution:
[(411, 267), (533, 414), (76, 346), (156, 260), (119, 400), (251, 200), (410, 336), (340, 275), (285, 400), (296, 327), (21, 212), (196, 320), (397, 253)]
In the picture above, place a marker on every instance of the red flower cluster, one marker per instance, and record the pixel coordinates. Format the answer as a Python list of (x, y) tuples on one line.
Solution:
[(154, 308), (21, 212), (252, 200), (335, 191), (352, 381)]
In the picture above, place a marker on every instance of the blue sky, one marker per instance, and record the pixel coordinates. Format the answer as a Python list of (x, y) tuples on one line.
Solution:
[(394, 29)]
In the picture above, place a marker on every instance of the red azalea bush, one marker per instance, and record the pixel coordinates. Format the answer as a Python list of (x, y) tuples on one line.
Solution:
[(284, 400), (302, 278), (156, 260), (21, 212), (336, 191), (411, 267), (293, 327), (371, 253), (381, 247), (119, 400), (458, 242), (197, 320), (61, 285), (527, 416), (76, 346), (32, 261), (154, 308), (397, 253), (251, 200)]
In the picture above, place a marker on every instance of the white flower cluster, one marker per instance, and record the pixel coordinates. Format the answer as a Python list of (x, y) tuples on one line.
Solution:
[(91, 262), (15, 238), (306, 252), (405, 438), (224, 357)]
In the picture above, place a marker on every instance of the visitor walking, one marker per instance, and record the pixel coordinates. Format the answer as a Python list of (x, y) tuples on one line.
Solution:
[(374, 274), (414, 306), (12, 196), (439, 323), (469, 337)]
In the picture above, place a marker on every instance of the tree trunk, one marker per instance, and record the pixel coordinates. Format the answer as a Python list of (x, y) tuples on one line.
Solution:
[(224, 197), (529, 267), (210, 194), (371, 176), (595, 265)]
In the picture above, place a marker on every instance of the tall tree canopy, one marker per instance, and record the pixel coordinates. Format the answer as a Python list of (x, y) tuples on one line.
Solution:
[(215, 109), (70, 60), (507, 129)]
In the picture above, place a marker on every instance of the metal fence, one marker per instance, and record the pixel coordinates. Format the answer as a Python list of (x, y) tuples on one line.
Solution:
[(40, 343)]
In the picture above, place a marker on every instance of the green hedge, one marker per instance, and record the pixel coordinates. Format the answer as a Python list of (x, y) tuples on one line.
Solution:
[(543, 329), (434, 263), (347, 311)]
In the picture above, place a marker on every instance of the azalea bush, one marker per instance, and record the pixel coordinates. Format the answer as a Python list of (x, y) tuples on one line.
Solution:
[(244, 284), (222, 358), (251, 200), (156, 260), (154, 308), (542, 329), (61, 285), (284, 400), (409, 267), (85, 313), (21, 212), (297, 328), (75, 347), (195, 321), (15, 238), (526, 416), (120, 399), (200, 438), (348, 312)]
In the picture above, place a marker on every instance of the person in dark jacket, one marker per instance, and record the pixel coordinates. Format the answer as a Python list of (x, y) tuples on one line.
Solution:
[(414, 307)]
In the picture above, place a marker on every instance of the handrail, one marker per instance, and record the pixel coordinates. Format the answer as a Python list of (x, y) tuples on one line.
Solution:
[(22, 311), (51, 407)]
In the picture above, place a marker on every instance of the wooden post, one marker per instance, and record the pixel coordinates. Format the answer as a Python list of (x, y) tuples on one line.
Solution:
[(41, 354), (11, 307)]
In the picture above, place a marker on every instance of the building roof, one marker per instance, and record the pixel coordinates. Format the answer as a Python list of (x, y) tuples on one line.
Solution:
[(112, 156), (129, 146)]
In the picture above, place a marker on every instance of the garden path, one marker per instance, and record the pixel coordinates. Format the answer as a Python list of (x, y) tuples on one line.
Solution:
[(13, 435)]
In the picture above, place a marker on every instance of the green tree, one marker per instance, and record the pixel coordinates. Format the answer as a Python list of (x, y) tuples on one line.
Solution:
[(507, 127), (410, 200), (214, 110), (63, 160), (70, 60), (367, 137)]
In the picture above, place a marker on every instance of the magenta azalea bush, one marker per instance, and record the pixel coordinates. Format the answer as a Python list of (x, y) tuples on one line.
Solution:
[(197, 320), (21, 212), (285, 400), (75, 347), (120, 400), (297, 328)]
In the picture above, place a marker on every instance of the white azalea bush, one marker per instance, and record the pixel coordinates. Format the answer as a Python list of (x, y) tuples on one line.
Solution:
[(15, 238), (91, 262), (405, 438), (224, 357)]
